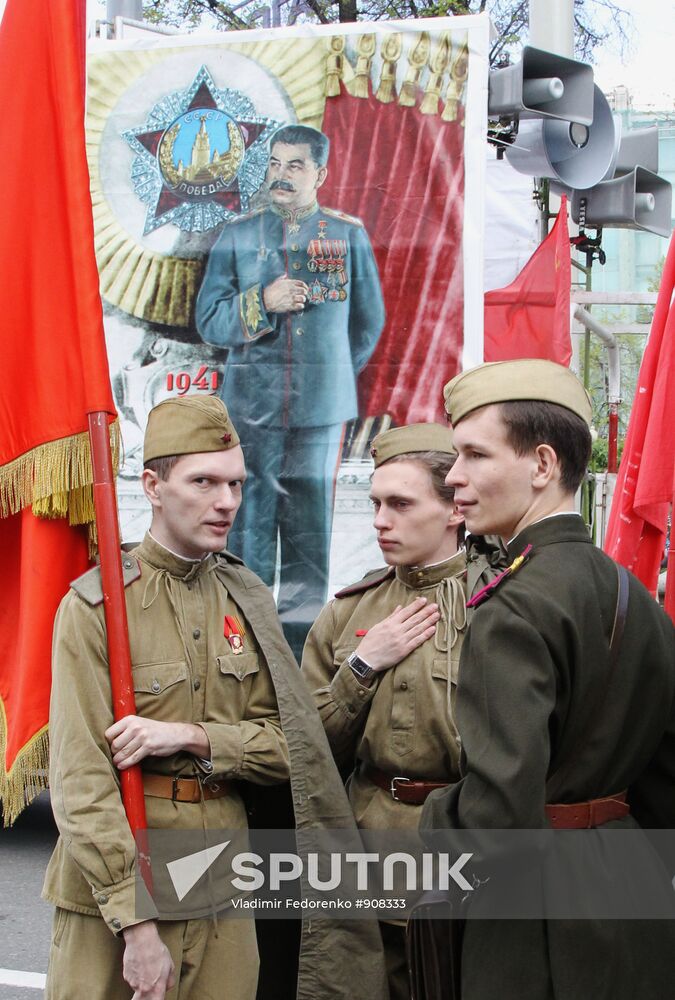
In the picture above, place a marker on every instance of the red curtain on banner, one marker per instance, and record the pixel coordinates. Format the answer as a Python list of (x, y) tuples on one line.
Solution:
[(645, 486), (54, 362), (402, 173), (530, 318)]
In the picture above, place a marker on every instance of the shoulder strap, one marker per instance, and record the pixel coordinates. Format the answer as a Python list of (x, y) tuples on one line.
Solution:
[(620, 613)]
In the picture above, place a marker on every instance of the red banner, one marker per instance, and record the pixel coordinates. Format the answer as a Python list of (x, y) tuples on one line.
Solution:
[(530, 318), (645, 487), (54, 362), (414, 218)]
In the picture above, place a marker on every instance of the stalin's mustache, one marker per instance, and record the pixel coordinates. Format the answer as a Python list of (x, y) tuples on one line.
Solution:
[(281, 186)]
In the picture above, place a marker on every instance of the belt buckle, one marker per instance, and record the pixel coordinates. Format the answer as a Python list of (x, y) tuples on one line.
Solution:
[(392, 786), (174, 788)]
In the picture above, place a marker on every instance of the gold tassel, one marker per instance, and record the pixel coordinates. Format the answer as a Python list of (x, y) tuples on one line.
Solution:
[(417, 60), (459, 71), (55, 479), (438, 64), (390, 50), (29, 774), (334, 65), (366, 50)]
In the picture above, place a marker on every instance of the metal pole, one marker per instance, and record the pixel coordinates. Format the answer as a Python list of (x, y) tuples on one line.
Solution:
[(552, 26), (124, 8)]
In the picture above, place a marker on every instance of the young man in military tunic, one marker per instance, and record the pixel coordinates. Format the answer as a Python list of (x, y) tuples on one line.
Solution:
[(557, 731), (292, 291), (382, 658), (218, 697)]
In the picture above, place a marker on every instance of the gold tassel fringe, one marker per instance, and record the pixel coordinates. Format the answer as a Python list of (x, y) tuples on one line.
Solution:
[(334, 65), (417, 60), (365, 48), (438, 64), (390, 50), (29, 774), (55, 478)]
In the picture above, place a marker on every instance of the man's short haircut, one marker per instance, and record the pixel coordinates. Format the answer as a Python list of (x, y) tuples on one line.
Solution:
[(438, 465), (162, 466), (530, 423), (296, 135)]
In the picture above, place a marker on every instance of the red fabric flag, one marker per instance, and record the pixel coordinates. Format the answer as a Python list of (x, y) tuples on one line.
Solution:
[(645, 486), (402, 173), (530, 318), (54, 363)]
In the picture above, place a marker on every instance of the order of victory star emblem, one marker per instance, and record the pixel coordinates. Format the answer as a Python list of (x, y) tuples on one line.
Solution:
[(201, 155)]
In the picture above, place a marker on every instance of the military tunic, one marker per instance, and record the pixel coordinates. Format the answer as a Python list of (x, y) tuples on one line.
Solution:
[(403, 724), (534, 659), (290, 383), (184, 669)]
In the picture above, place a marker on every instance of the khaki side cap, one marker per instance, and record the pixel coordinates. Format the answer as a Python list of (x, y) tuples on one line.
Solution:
[(188, 425), (411, 438), (508, 381)]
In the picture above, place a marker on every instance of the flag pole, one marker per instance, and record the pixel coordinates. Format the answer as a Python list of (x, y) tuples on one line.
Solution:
[(115, 610)]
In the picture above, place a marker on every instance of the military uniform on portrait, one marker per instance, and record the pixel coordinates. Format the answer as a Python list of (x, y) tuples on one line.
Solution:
[(290, 382)]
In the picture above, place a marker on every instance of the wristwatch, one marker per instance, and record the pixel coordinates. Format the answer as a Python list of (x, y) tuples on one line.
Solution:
[(363, 670)]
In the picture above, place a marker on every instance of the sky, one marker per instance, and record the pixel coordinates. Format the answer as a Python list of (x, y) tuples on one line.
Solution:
[(648, 70)]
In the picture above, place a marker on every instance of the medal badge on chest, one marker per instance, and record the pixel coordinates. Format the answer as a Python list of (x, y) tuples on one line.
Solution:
[(233, 631), (327, 257)]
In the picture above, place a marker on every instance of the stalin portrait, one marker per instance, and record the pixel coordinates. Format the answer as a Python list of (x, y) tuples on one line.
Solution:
[(292, 291)]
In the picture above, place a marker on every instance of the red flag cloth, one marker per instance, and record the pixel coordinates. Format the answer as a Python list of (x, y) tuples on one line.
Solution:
[(54, 362), (402, 173), (645, 486), (530, 318)]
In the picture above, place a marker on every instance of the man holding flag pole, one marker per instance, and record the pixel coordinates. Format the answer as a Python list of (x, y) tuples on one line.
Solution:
[(56, 400)]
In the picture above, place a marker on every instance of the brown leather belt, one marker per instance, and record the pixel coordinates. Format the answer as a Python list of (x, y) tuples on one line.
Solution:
[(412, 791), (586, 815), (163, 786)]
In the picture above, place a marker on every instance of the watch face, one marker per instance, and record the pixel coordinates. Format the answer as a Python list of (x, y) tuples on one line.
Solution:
[(359, 666)]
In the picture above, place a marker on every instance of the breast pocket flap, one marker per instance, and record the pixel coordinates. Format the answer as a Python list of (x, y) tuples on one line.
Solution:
[(240, 666), (157, 677), (439, 668)]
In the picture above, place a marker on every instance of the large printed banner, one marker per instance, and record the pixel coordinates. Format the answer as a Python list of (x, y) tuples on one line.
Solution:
[(293, 219)]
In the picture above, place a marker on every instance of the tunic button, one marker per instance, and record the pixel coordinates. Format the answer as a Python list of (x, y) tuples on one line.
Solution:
[(404, 685), (299, 331), (103, 900), (117, 924), (197, 684), (127, 564), (296, 265), (295, 247), (196, 634), (156, 686)]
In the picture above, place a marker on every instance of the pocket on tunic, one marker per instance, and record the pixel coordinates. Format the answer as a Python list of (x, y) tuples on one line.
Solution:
[(439, 669), (161, 691), (238, 666)]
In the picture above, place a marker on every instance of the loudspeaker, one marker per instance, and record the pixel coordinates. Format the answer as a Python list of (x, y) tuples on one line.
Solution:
[(637, 200), (638, 148), (542, 85), (574, 154)]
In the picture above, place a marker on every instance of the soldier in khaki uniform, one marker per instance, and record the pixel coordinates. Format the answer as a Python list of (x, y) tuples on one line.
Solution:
[(382, 657), (218, 696)]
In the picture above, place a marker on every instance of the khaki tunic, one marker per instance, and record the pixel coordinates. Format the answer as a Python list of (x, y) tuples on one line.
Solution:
[(185, 670), (403, 724)]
